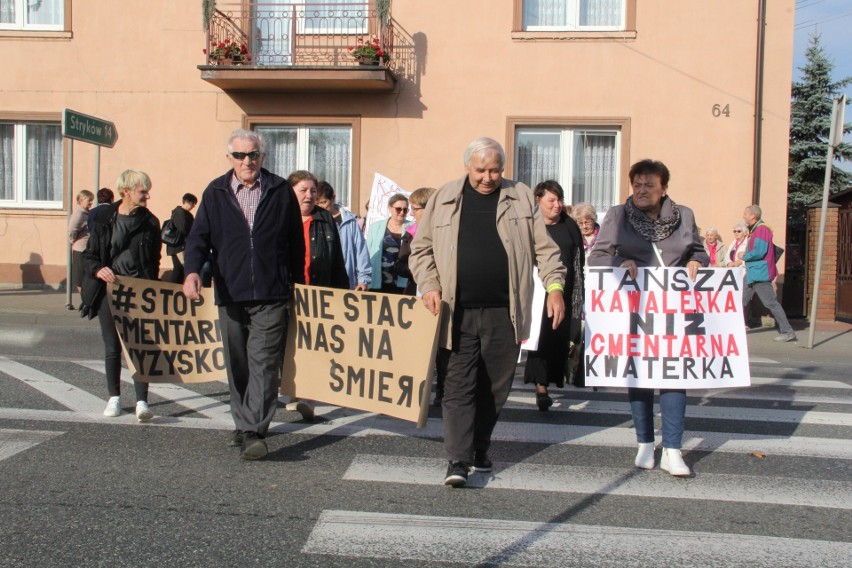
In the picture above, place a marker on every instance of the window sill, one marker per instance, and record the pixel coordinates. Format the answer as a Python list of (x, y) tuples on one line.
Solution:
[(25, 211), (35, 34), (624, 35)]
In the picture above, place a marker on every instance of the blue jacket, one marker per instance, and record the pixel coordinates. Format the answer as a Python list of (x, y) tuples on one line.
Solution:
[(759, 256), (355, 254), (248, 265), (375, 236)]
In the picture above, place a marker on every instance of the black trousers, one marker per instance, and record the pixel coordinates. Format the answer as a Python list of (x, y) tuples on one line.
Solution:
[(480, 371), (112, 354)]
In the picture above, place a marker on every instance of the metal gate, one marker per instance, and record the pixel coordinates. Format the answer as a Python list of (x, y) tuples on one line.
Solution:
[(844, 262)]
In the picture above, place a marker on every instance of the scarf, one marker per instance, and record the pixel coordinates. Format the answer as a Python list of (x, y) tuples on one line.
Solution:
[(651, 230), (588, 245)]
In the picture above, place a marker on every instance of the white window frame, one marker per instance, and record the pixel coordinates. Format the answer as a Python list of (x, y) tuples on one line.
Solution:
[(19, 171), (573, 12), (302, 26), (21, 14), (344, 196), (566, 156)]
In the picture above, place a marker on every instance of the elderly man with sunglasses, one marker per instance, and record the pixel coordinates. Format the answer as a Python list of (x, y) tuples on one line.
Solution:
[(250, 220)]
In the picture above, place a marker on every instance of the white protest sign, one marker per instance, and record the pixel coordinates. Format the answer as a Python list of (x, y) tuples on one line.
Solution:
[(664, 330), (537, 313), (383, 189)]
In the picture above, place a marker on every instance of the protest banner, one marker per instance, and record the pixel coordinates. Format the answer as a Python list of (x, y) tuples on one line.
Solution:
[(364, 350), (167, 338), (381, 192), (536, 315), (664, 330)]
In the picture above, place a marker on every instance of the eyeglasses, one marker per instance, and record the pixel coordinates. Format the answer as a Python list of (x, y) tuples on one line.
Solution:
[(416, 208), (403, 210), (240, 156), (737, 230)]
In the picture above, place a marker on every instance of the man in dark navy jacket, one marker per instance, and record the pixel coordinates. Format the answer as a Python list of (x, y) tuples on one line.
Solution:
[(250, 221)]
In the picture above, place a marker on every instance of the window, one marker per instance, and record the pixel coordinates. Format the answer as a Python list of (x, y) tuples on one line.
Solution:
[(586, 15), (336, 17), (584, 160), (32, 14), (325, 150), (30, 165)]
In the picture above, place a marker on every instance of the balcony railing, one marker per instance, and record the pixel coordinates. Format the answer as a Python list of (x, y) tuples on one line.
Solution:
[(314, 34)]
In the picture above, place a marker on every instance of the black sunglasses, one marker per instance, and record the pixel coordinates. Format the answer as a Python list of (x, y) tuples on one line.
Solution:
[(253, 155)]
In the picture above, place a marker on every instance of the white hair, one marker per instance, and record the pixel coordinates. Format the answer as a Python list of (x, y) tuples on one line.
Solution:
[(481, 147), (249, 135)]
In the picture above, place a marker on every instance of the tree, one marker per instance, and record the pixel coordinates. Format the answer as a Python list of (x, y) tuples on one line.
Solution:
[(810, 124)]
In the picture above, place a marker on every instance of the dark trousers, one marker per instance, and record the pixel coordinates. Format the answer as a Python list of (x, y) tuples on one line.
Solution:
[(767, 295), (253, 334), (177, 269), (480, 370), (112, 354)]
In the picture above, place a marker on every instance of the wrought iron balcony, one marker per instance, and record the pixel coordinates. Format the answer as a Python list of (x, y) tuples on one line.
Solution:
[(312, 45)]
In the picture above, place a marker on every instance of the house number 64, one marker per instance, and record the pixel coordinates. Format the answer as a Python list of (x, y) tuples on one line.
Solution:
[(719, 110)]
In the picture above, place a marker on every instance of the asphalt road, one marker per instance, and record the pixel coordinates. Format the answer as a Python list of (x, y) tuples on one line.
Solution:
[(772, 484)]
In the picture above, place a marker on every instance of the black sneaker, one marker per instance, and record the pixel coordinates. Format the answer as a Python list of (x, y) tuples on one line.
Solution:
[(543, 401), (235, 440), (254, 447), (481, 461), (439, 397), (457, 474)]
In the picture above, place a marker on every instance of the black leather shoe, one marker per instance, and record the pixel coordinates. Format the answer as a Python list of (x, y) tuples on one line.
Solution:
[(481, 461), (254, 447), (439, 396), (543, 400)]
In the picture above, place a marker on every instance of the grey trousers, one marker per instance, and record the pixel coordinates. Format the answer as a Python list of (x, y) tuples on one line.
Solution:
[(253, 335), (767, 295), (480, 371)]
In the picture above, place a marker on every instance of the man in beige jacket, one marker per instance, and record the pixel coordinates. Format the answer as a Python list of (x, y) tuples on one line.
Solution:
[(473, 260)]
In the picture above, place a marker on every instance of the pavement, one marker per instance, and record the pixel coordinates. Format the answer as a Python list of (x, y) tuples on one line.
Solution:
[(832, 340)]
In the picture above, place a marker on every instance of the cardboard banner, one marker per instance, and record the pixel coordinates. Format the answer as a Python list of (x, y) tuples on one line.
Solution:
[(167, 338), (364, 350), (381, 192), (664, 330)]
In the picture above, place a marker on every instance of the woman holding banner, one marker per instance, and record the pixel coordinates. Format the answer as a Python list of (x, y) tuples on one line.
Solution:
[(125, 241), (651, 230)]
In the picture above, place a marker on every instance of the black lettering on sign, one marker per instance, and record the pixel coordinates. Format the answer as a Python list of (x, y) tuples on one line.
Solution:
[(149, 296)]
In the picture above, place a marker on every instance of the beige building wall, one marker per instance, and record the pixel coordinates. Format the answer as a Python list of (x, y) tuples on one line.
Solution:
[(468, 74)]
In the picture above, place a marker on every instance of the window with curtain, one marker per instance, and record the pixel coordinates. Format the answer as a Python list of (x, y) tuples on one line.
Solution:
[(574, 15), (336, 16), (31, 165), (32, 14), (584, 161), (323, 150)]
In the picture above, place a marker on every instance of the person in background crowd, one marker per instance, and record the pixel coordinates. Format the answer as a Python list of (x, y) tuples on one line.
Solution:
[(739, 245), (419, 198), (363, 220), (105, 198), (324, 263), (650, 229), (355, 254), (78, 235), (125, 241), (759, 258), (182, 219), (547, 364), (250, 220), (714, 247), (473, 258), (384, 238), (587, 219)]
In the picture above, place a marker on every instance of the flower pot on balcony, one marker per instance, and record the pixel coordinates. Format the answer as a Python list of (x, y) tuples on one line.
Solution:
[(226, 61)]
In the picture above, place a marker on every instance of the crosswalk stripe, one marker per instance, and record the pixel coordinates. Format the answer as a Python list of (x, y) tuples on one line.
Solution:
[(66, 394), (173, 392), (611, 481), (582, 406), (500, 542), (16, 441)]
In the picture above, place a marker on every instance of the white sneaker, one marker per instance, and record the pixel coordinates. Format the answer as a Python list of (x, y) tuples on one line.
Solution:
[(645, 456), (113, 408), (143, 413), (672, 462)]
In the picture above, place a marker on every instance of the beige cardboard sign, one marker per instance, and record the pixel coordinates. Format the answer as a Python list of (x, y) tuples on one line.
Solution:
[(363, 350), (166, 337)]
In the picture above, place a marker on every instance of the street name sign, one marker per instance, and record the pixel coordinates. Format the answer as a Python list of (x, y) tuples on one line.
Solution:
[(89, 129)]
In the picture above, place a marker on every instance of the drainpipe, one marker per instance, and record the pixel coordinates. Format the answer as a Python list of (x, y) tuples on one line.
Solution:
[(758, 100)]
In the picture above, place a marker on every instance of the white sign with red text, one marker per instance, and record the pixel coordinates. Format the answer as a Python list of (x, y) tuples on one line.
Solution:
[(664, 330)]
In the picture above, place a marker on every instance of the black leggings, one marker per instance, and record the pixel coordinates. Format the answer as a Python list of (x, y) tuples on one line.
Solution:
[(112, 354)]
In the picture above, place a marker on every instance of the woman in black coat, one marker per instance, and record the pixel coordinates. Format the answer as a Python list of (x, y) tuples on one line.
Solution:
[(547, 364), (125, 241)]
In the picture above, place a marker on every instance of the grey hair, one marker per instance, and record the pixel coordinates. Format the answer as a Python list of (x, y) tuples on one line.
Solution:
[(584, 211), (755, 210), (742, 226), (715, 231), (482, 146), (249, 135)]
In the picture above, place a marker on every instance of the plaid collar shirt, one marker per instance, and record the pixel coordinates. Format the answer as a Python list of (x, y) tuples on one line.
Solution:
[(247, 196)]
